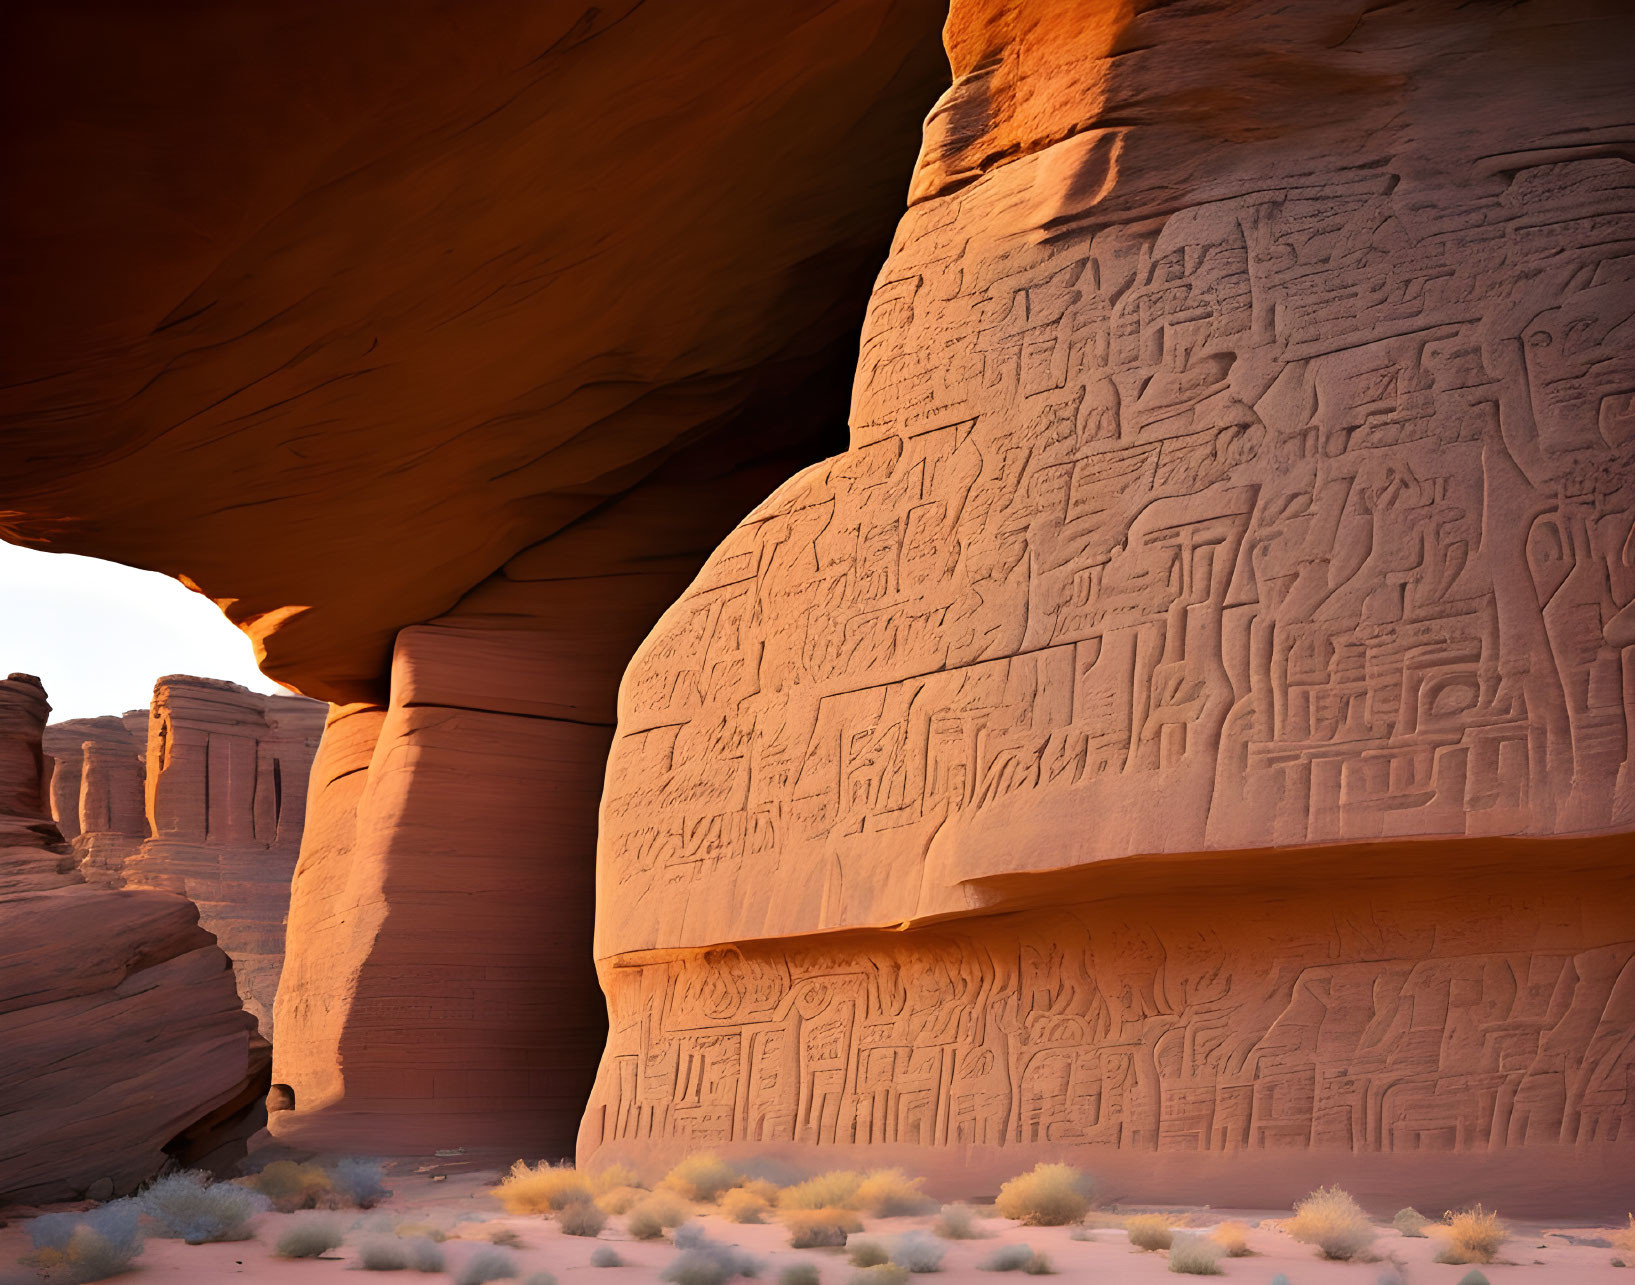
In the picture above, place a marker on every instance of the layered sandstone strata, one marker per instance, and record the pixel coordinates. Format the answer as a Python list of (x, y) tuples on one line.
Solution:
[(124, 1041), (1242, 479), (202, 794)]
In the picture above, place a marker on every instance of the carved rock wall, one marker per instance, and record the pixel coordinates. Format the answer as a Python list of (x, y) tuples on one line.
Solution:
[(123, 1035), (1242, 460)]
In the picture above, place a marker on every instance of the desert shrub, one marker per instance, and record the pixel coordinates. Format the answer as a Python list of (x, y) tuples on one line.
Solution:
[(1473, 1277), (1007, 1258), (620, 1200), (416, 1229), (1280, 1279), (423, 1254), (765, 1188), (956, 1222), (310, 1238), (702, 1176), (542, 1189), (379, 1254), (890, 1193), (836, 1189), (88, 1246), (1473, 1235), (1233, 1238), (291, 1186), (919, 1251), (1332, 1221), (732, 1260), (611, 1176), (690, 1267), (188, 1206), (359, 1181), (1410, 1222), (1194, 1255), (486, 1265), (866, 1253), (1149, 1232), (605, 1256), (506, 1238), (741, 1205), (1039, 1265), (1045, 1196), (821, 1228), (881, 1274), (582, 1219), (655, 1215), (539, 1278), (799, 1274)]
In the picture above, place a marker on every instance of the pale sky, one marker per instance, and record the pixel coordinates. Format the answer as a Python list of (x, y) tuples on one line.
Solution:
[(98, 634)]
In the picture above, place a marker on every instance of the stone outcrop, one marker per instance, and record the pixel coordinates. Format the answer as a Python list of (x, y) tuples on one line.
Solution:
[(123, 1035), (1187, 730), (203, 794), (479, 342), (1242, 480)]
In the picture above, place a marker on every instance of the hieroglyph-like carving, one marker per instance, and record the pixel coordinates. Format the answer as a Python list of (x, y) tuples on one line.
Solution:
[(1303, 516), (1342, 1025)]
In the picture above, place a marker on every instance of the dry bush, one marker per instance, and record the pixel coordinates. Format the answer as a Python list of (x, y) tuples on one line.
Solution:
[(741, 1205), (656, 1214), (291, 1186), (505, 1237), (1193, 1255), (702, 1176), (765, 1188), (956, 1222), (1332, 1221), (605, 1256), (486, 1265), (881, 1274), (420, 1229), (919, 1251), (1039, 1265), (422, 1254), (891, 1193), (188, 1206), (382, 1255), (799, 1274), (310, 1238), (542, 1189), (581, 1219), (1007, 1258), (1473, 1235), (866, 1253), (621, 1200), (1045, 1196), (612, 1176), (821, 1228), (1473, 1277), (1410, 1222), (704, 1261), (1233, 1238), (1150, 1232), (539, 1278), (359, 1180), (88, 1246), (836, 1189)]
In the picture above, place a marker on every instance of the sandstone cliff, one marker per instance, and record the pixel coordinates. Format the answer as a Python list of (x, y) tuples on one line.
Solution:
[(1193, 722), (123, 1037)]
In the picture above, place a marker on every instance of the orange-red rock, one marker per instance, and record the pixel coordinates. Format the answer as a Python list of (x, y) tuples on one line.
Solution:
[(124, 1041), (1192, 729)]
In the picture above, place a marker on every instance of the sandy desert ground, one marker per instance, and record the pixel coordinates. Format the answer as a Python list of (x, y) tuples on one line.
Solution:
[(459, 1202)]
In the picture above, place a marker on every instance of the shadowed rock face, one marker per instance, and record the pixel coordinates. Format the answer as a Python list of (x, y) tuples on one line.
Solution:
[(1242, 480), (124, 1039), (439, 352)]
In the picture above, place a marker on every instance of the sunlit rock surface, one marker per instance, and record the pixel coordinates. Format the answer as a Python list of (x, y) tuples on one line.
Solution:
[(1190, 728)]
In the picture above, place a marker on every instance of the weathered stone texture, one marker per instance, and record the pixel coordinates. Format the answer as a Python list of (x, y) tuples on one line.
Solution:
[(1242, 459), (120, 1023)]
